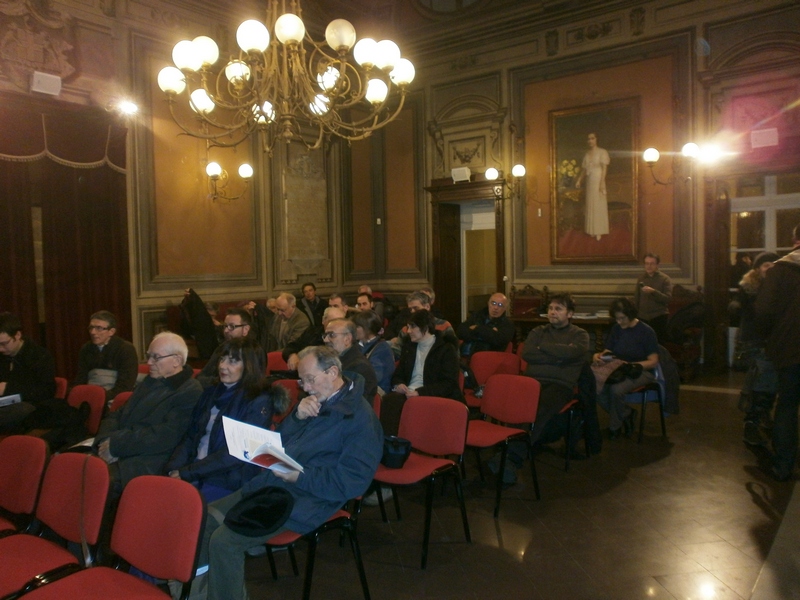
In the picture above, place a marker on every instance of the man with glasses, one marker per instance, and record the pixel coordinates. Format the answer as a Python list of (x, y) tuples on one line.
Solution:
[(488, 328), (340, 334), (26, 369), (139, 438), (290, 323), (107, 360), (337, 438), (238, 323)]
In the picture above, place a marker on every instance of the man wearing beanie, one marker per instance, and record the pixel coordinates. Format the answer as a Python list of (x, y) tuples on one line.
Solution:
[(778, 310)]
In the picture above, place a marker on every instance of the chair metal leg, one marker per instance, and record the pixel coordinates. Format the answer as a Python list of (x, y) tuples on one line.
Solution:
[(293, 560), (568, 451), (350, 527), (396, 503), (311, 555), (381, 505), (460, 494), (535, 478), (500, 473), (480, 466), (273, 569), (428, 510), (641, 418), (661, 412)]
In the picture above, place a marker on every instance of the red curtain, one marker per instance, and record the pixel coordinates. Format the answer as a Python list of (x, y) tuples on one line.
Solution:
[(80, 186)]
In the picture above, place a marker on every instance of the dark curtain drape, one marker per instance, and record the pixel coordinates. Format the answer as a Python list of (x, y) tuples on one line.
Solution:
[(75, 162)]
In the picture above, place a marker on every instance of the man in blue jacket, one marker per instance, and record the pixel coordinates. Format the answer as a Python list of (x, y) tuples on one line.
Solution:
[(337, 438)]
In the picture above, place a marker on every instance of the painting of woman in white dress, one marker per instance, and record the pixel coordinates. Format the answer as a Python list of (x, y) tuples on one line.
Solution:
[(593, 175), (593, 170)]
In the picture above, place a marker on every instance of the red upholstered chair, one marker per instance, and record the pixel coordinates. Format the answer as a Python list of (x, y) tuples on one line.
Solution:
[(275, 362), (157, 530), (61, 388), (376, 404), (507, 399), (293, 388), (119, 401), (488, 363), (342, 521), (523, 366), (93, 395), (144, 369), (71, 504), (22, 459), (437, 427)]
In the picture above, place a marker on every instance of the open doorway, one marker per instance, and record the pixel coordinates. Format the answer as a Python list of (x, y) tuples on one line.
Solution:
[(479, 252)]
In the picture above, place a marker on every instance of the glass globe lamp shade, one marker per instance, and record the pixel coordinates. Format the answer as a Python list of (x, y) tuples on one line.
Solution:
[(252, 36), (289, 29), (651, 156), (245, 171), (377, 90), (387, 55), (267, 112), (328, 78), (237, 72), (491, 174), (690, 150), (213, 170), (171, 80), (340, 35), (403, 72), (518, 170), (320, 105), (201, 102), (185, 57), (207, 50), (364, 52)]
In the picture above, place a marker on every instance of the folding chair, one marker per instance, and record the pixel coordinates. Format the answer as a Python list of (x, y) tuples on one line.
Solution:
[(485, 364), (507, 399), (157, 530), (22, 459), (71, 505), (437, 427), (95, 397)]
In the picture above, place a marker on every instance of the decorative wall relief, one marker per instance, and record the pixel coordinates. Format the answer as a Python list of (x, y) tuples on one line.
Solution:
[(468, 153), (34, 38), (637, 21), (593, 32)]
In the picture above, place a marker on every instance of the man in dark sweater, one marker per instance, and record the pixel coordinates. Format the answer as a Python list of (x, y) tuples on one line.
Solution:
[(488, 328), (25, 369), (340, 334), (107, 360)]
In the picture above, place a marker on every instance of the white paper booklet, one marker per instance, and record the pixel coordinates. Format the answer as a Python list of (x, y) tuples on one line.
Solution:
[(258, 446), (9, 400)]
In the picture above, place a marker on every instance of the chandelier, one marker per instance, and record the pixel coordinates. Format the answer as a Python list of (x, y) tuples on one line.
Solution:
[(285, 85)]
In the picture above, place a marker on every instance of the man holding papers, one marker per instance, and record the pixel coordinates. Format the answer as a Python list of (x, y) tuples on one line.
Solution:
[(334, 434)]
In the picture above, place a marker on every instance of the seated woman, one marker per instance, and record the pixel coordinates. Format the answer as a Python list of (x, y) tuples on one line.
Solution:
[(368, 329), (428, 366), (240, 393), (633, 342)]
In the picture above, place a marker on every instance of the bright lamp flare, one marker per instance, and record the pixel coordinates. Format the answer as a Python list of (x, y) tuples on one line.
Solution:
[(327, 79), (403, 72), (252, 36), (377, 91), (340, 35), (691, 150), (365, 51), (491, 174), (651, 156), (171, 80), (185, 57), (213, 170), (207, 50), (237, 72), (245, 171), (289, 29), (518, 171), (320, 105), (388, 54), (201, 102)]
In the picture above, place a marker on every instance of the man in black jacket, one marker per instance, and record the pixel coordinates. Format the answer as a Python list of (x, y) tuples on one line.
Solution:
[(25, 369), (340, 334), (488, 328)]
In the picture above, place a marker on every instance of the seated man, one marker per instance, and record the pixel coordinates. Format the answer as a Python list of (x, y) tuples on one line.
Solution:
[(336, 300), (290, 323), (340, 334), (312, 304), (488, 328), (339, 453), (237, 324), (107, 360), (377, 299), (418, 301), (364, 301), (313, 336), (139, 438), (26, 369)]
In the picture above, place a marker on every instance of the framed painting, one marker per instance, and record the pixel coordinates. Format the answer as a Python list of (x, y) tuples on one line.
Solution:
[(593, 182)]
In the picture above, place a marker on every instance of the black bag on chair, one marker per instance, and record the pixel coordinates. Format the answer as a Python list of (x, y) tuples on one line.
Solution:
[(626, 371), (395, 452)]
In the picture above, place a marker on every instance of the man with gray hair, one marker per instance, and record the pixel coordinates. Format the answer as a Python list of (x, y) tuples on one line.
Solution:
[(139, 438), (340, 334), (415, 301), (290, 323)]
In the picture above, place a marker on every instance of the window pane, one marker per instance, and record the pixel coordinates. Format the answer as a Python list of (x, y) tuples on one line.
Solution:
[(747, 229), (786, 219)]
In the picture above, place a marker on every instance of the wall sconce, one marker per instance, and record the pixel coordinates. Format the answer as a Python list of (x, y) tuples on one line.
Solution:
[(651, 157), (517, 173), (218, 182)]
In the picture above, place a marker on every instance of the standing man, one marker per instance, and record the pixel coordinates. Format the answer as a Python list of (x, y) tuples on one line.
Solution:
[(778, 310), (340, 334), (290, 324), (653, 294), (139, 438), (107, 360), (488, 328), (25, 369), (237, 324), (312, 305)]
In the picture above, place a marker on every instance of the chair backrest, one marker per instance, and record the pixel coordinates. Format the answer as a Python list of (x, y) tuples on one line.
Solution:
[(22, 459), (158, 525), (74, 483), (95, 396), (119, 401), (523, 365), (293, 388), (376, 404), (275, 362), (511, 398), (61, 388), (143, 369), (434, 425), (487, 363)]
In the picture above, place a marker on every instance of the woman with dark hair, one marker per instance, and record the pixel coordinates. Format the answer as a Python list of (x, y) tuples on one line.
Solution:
[(369, 327), (241, 393), (631, 341), (428, 366)]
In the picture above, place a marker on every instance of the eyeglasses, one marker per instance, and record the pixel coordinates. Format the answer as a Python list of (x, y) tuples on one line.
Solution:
[(232, 327), (495, 303), (97, 328), (310, 379), (333, 334), (6, 343), (155, 357)]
